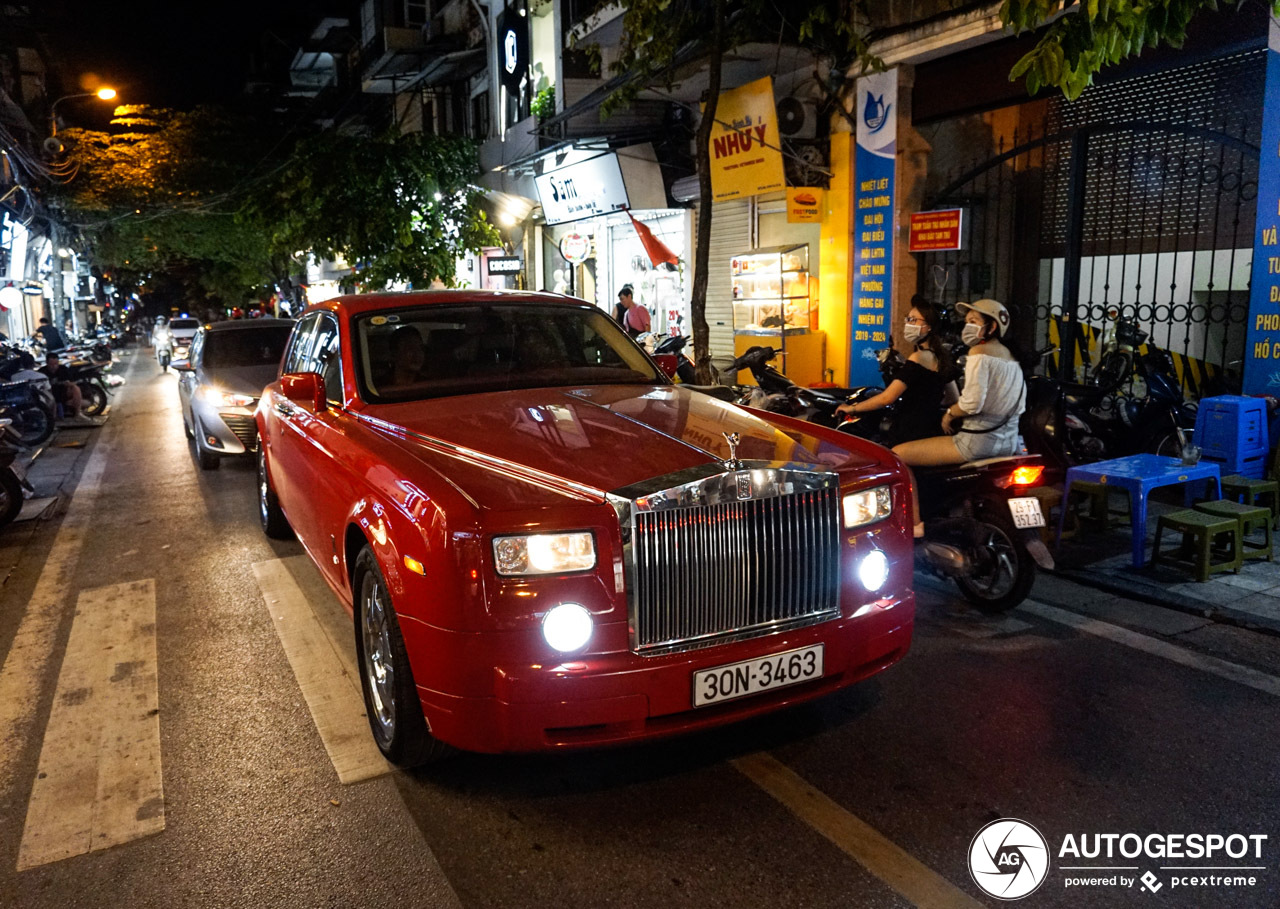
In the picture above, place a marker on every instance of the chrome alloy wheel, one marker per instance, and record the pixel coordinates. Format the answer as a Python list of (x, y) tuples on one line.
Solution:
[(375, 643), (264, 490)]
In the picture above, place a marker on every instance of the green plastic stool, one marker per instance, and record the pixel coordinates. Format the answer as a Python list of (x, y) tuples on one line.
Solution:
[(1099, 495), (1199, 530), (1251, 518), (1236, 487)]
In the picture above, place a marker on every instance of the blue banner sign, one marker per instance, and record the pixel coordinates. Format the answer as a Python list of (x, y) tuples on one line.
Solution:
[(874, 171), (1262, 350)]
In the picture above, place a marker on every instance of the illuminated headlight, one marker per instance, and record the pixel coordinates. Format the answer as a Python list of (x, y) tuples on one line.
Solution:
[(544, 553), (223, 399), (567, 627), (867, 506), (873, 570)]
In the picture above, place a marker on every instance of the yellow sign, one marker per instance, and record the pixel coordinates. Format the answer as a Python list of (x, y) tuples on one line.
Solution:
[(804, 204), (746, 157)]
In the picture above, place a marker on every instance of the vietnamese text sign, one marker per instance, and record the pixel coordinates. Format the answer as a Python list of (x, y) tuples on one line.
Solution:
[(584, 190), (804, 204), (746, 157), (874, 172), (1262, 350), (932, 231)]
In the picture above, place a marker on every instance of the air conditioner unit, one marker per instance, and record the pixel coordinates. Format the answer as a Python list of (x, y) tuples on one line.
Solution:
[(797, 118)]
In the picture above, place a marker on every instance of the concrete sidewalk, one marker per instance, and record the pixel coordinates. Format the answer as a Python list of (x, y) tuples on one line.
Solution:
[(1101, 559)]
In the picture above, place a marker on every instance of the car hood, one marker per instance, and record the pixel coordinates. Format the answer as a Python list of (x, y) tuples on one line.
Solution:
[(602, 437), (240, 380)]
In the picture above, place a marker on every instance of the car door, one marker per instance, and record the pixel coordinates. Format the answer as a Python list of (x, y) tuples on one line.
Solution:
[(188, 384), (288, 425)]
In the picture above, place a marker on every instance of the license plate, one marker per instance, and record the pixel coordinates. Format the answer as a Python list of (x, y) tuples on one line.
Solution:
[(736, 680), (1026, 512)]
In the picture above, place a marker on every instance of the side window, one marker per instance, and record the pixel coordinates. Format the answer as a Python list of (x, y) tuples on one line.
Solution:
[(197, 348), (327, 359), (300, 345)]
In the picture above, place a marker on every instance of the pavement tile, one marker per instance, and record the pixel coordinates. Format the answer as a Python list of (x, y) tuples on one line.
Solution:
[(1243, 580)]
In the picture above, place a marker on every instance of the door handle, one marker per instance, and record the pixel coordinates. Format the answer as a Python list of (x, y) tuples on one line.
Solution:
[(283, 409)]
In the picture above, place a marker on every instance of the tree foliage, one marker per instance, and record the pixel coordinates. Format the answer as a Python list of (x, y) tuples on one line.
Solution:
[(1094, 34), (159, 193), (400, 208)]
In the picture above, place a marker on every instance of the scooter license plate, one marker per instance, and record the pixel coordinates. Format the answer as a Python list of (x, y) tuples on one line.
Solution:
[(1026, 512)]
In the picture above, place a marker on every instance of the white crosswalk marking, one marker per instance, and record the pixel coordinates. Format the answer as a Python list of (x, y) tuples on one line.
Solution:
[(99, 782), (323, 661)]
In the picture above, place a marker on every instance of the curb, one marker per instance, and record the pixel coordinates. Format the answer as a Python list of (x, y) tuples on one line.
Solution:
[(1150, 593)]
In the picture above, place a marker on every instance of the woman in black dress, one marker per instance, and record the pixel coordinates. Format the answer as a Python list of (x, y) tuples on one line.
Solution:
[(922, 386)]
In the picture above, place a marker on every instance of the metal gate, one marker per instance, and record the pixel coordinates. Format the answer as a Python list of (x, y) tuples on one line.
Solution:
[(1136, 201)]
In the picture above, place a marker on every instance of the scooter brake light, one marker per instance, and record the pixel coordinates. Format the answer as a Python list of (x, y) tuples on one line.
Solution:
[(1021, 476)]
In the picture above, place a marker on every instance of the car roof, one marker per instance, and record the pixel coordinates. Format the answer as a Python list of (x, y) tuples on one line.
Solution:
[(246, 324), (358, 304)]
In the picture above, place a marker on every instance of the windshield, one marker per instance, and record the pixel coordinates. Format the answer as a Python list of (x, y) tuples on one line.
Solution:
[(439, 349), (245, 347), (184, 324)]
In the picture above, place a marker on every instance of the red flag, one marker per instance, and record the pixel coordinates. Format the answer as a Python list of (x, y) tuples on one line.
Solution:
[(656, 249)]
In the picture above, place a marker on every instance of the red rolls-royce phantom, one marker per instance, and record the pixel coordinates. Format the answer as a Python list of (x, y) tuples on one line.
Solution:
[(544, 543)]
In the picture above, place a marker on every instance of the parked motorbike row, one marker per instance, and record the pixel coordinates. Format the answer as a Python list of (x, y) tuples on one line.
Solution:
[(29, 411)]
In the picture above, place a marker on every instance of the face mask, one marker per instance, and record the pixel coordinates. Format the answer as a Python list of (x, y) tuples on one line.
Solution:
[(971, 334), (912, 333)]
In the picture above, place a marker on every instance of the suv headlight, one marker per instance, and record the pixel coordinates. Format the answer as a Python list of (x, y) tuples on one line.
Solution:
[(867, 506), (223, 399), (544, 553)]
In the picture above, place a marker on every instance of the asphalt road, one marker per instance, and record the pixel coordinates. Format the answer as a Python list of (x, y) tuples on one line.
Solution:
[(1081, 714)]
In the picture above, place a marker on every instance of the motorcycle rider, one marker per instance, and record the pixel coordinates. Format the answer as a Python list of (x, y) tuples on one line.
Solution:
[(162, 341), (924, 384), (994, 396)]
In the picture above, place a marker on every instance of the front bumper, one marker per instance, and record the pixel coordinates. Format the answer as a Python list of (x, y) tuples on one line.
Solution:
[(225, 430), (620, 697)]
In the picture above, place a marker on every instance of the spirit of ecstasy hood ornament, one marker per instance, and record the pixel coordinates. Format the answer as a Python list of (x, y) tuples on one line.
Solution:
[(732, 462)]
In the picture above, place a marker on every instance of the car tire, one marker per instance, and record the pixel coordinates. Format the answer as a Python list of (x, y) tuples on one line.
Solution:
[(207, 459), (274, 524), (10, 497), (390, 695), (186, 427)]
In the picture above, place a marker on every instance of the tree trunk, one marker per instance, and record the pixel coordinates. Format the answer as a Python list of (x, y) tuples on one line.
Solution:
[(702, 245)]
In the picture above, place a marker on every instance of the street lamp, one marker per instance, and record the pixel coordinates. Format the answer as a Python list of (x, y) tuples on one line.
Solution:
[(103, 94)]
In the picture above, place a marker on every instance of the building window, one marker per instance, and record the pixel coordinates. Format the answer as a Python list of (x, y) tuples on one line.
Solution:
[(480, 116), (368, 24), (416, 13)]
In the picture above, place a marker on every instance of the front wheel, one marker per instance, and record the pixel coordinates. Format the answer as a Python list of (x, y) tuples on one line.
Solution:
[(390, 695), (94, 398), (270, 514), (1002, 569), (34, 424), (10, 496)]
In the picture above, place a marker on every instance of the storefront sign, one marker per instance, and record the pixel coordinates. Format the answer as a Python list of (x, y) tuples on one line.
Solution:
[(1262, 350), (746, 157), (804, 204), (513, 50), (593, 187), (504, 265), (934, 231), (575, 248), (874, 172)]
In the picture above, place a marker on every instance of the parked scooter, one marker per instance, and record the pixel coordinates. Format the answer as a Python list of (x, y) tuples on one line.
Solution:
[(14, 487), (981, 526)]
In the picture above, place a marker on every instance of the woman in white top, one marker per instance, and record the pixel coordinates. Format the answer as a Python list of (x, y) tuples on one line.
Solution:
[(994, 396)]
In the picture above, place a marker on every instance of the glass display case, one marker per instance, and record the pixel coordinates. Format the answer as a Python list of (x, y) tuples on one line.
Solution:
[(771, 290)]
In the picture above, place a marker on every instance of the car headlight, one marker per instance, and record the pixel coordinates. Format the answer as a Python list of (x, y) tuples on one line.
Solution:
[(544, 553), (567, 627), (867, 506), (873, 570), (220, 398)]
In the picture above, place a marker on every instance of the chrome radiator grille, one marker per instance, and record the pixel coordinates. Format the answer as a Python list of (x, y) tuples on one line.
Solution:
[(715, 570)]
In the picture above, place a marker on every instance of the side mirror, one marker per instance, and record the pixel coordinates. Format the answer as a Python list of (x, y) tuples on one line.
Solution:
[(305, 388), (668, 363)]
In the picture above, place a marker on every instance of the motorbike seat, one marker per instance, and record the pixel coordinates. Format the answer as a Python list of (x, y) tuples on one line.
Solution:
[(1010, 460)]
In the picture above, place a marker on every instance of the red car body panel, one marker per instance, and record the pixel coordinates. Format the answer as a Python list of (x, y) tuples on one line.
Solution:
[(436, 480)]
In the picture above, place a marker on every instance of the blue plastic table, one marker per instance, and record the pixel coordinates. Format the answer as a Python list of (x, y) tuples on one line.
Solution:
[(1139, 474)]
